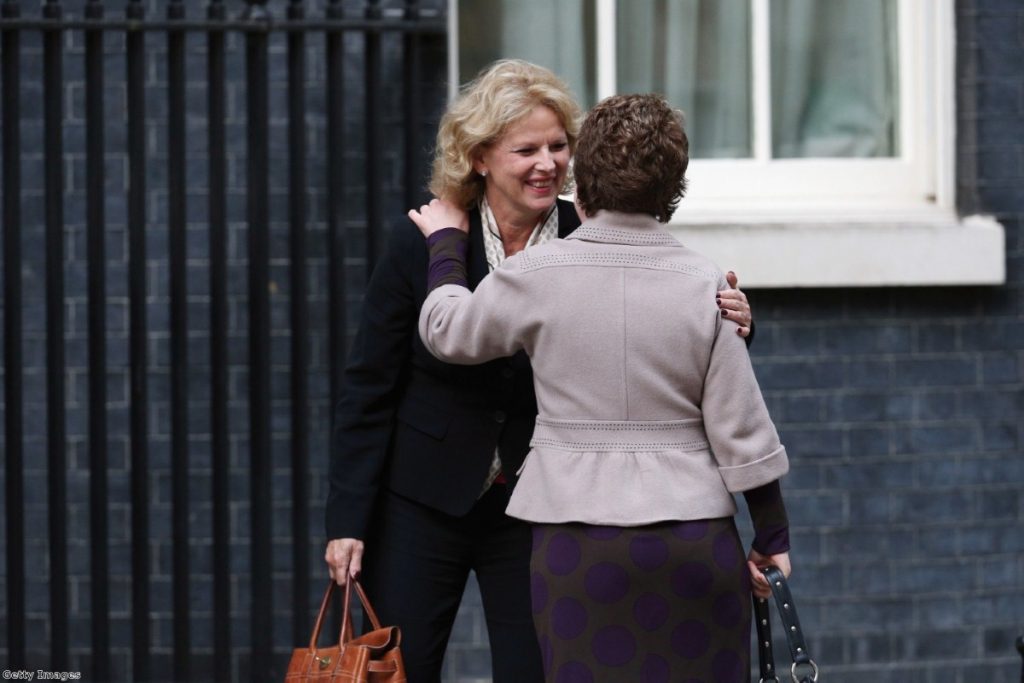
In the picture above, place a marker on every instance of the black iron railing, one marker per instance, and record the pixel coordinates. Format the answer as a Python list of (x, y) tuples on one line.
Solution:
[(130, 23)]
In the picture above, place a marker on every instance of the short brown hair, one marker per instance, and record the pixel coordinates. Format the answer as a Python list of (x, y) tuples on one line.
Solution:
[(501, 95), (631, 156)]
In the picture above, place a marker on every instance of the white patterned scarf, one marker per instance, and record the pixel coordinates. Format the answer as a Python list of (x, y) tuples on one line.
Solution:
[(546, 229)]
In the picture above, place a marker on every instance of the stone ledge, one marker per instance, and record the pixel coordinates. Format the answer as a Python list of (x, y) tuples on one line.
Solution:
[(931, 249)]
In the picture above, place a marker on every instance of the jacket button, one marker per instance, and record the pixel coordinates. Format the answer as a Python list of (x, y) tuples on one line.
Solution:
[(499, 416)]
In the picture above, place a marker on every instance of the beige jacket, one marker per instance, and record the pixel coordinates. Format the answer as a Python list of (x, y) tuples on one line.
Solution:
[(649, 409)]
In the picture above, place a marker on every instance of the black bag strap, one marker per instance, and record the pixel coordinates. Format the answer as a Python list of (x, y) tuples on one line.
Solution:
[(1020, 649), (802, 661)]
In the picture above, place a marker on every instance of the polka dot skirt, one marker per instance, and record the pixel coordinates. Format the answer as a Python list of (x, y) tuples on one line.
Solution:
[(657, 603)]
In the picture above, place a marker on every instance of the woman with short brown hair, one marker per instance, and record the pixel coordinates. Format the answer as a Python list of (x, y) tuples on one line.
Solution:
[(650, 417)]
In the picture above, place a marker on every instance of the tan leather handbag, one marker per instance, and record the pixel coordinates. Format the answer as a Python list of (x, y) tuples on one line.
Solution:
[(371, 658)]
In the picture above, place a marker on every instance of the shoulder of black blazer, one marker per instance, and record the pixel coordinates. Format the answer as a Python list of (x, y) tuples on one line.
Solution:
[(359, 450)]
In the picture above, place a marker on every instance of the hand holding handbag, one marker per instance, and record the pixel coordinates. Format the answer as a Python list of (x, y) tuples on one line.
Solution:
[(373, 657), (804, 670)]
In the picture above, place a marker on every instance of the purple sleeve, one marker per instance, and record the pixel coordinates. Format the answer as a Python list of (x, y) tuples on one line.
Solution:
[(447, 258), (768, 513)]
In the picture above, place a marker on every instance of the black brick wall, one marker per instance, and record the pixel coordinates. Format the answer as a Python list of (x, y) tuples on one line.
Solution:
[(902, 408)]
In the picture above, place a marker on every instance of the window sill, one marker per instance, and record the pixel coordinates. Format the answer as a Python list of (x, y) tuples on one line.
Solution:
[(887, 249)]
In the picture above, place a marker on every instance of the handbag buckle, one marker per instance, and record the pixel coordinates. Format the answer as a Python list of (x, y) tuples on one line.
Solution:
[(810, 663), (324, 661)]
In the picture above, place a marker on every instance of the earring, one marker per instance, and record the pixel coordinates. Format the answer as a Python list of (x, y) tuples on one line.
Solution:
[(483, 173)]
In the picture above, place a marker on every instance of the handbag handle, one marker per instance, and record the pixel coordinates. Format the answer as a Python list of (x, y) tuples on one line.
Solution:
[(794, 634), (346, 620), (1020, 649)]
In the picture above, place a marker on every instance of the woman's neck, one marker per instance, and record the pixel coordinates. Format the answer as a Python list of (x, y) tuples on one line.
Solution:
[(514, 228)]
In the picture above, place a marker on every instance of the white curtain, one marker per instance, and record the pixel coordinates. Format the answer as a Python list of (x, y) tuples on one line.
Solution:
[(558, 34), (834, 65), (834, 78), (697, 54)]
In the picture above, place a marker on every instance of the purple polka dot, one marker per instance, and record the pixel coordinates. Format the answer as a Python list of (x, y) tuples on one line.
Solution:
[(538, 592), (547, 653), (574, 672), (691, 530), (727, 610), (692, 580), (563, 554), (538, 536), (604, 533), (568, 618), (726, 551), (648, 552), (606, 582), (613, 646), (650, 611), (690, 639), (655, 670), (727, 667)]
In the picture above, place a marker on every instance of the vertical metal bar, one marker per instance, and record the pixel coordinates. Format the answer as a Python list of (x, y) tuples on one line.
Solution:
[(299, 322), (411, 81), (96, 254), (179, 335), (373, 139), (218, 348), (135, 47), (10, 46), (55, 384), (259, 334), (335, 183)]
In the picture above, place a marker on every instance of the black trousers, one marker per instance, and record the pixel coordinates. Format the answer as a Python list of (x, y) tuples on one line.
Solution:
[(415, 570)]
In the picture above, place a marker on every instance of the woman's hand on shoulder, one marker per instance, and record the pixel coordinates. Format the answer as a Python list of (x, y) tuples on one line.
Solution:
[(344, 557), (438, 215), (755, 561), (734, 305)]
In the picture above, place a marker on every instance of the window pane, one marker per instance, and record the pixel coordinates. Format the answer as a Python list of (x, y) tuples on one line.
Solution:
[(558, 35), (696, 53), (834, 78)]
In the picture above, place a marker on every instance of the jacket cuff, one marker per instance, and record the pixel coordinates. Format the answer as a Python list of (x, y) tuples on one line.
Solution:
[(753, 474)]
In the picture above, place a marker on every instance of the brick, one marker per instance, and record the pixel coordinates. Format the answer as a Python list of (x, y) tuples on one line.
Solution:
[(867, 441), (859, 374), (940, 438), (935, 372), (871, 614), (876, 476), (1000, 437), (867, 338), (931, 507), (869, 407), (993, 404), (774, 375)]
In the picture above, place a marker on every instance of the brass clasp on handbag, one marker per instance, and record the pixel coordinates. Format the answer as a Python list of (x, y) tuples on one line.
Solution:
[(324, 661)]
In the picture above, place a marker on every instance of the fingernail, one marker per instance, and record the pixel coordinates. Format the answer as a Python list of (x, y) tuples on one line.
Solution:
[(718, 299), (725, 313)]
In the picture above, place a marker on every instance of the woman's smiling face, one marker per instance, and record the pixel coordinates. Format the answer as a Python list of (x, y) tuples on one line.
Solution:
[(526, 167)]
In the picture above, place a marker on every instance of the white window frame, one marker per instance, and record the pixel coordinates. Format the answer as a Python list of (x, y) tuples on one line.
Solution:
[(834, 222)]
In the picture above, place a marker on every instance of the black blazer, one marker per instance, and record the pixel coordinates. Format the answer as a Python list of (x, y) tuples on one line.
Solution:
[(425, 429)]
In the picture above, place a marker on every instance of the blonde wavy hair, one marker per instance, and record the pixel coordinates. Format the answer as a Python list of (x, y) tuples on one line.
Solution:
[(503, 93)]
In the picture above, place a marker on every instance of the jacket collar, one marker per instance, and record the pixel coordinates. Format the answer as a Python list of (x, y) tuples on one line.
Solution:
[(476, 266), (614, 227), (477, 257)]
